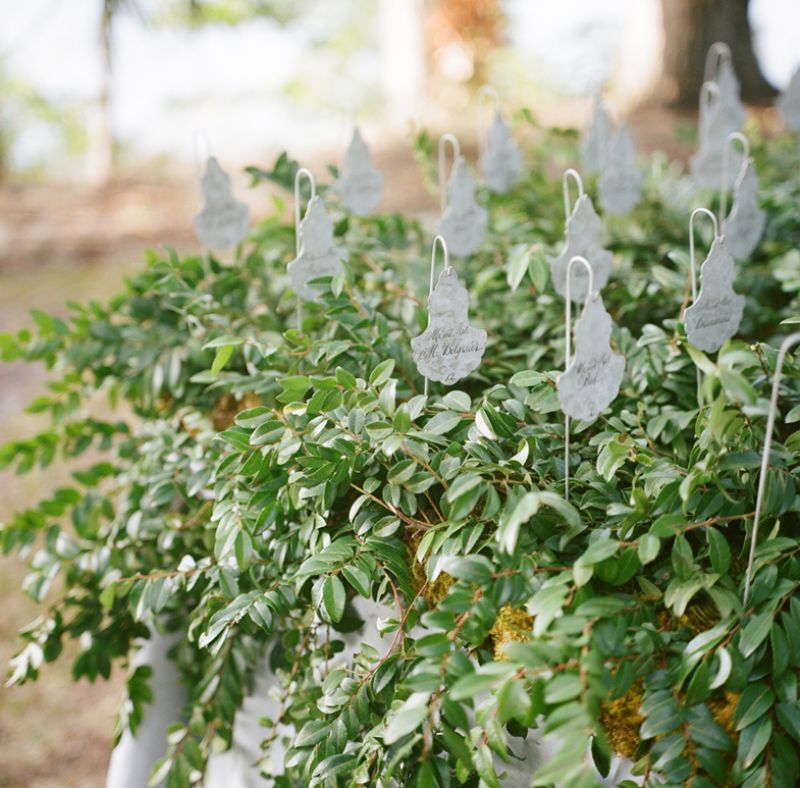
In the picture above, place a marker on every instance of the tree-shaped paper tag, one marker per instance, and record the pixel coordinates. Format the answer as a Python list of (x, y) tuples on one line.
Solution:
[(501, 163), (705, 164), (583, 238), (318, 255), (360, 184), (731, 106), (594, 146), (745, 224), (620, 183), (593, 380), (449, 348), (463, 223), (715, 316), (789, 102), (223, 221)]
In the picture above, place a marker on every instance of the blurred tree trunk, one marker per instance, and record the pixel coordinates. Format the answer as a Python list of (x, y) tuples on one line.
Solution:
[(690, 28), (100, 155)]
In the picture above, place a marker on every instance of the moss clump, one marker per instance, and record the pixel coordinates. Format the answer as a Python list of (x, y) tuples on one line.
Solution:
[(512, 625), (621, 719), (433, 592), (700, 616), (722, 709), (228, 406)]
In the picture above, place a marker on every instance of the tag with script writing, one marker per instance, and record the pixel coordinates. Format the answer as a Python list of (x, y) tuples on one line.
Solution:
[(715, 316), (463, 223), (745, 224), (449, 348), (318, 256), (223, 221), (360, 184), (583, 238), (592, 382)]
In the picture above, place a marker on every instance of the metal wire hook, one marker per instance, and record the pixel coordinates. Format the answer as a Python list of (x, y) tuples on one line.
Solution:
[(718, 53), (734, 136), (708, 91), (590, 295), (787, 343), (692, 264), (576, 176), (437, 241), (456, 145)]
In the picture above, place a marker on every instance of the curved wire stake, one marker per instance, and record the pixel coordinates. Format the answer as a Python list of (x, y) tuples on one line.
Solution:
[(456, 145), (576, 176), (590, 293), (447, 267), (298, 176), (734, 136), (200, 138), (693, 263), (717, 54), (486, 91), (787, 343)]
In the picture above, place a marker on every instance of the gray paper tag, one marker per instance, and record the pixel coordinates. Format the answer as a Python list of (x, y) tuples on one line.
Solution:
[(318, 255), (449, 348), (502, 163), (593, 380), (360, 184), (789, 102), (718, 118), (583, 238), (715, 316), (463, 223), (594, 146), (223, 221), (620, 184), (745, 224)]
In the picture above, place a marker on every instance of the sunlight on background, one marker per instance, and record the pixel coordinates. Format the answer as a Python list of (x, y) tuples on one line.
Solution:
[(260, 86)]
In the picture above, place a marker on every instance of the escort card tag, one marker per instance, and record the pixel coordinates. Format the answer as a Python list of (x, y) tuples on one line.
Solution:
[(620, 184), (360, 184), (318, 254), (449, 348), (731, 106), (706, 164), (583, 233), (463, 223), (594, 146), (223, 221), (501, 163), (593, 380), (788, 102), (715, 316), (745, 224)]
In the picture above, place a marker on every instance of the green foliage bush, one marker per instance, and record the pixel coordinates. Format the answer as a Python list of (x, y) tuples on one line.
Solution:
[(239, 481)]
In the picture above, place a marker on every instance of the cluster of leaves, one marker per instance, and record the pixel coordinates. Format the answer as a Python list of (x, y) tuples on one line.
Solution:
[(245, 481)]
